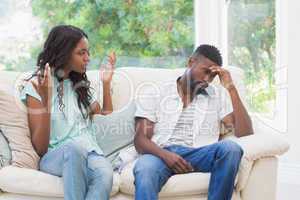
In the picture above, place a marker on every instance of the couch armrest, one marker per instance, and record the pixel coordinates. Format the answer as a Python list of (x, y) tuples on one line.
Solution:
[(265, 143), (261, 145), (257, 147), (262, 181)]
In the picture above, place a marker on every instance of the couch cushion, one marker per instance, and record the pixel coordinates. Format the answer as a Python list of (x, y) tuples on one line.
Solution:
[(33, 182), (178, 185), (115, 132), (14, 124), (5, 152)]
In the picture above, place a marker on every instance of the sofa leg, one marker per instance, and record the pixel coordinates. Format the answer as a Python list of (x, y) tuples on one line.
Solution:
[(262, 181)]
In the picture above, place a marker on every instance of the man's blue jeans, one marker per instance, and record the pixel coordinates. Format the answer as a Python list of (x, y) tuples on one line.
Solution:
[(221, 159), (86, 175)]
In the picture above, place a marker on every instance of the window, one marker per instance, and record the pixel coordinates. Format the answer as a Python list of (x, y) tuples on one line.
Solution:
[(252, 47), (20, 32), (143, 33), (161, 33), (249, 33), (255, 45)]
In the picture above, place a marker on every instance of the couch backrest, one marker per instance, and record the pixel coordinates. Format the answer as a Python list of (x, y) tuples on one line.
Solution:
[(128, 82)]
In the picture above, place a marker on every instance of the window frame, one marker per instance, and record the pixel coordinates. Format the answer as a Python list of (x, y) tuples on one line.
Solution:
[(211, 26)]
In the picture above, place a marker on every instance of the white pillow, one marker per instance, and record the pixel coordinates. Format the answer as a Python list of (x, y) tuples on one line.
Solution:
[(5, 153), (14, 123), (115, 132)]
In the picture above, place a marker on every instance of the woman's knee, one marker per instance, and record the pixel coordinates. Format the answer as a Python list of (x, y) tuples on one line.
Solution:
[(101, 171), (74, 152), (107, 177)]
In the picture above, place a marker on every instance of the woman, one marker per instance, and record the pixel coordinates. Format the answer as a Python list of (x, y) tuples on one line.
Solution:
[(61, 106)]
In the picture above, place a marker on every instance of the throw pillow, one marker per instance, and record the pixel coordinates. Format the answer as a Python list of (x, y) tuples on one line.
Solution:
[(14, 124), (115, 132), (5, 153)]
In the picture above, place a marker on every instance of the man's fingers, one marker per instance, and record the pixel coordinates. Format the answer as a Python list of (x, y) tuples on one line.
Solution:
[(215, 69), (178, 169), (183, 165), (216, 66), (191, 169), (187, 166)]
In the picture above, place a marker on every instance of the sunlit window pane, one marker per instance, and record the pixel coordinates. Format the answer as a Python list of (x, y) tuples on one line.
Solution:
[(251, 46), (156, 33)]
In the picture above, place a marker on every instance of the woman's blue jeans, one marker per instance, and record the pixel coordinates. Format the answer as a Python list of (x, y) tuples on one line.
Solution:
[(86, 175)]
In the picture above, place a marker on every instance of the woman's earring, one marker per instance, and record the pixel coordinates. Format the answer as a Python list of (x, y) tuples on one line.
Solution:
[(60, 73)]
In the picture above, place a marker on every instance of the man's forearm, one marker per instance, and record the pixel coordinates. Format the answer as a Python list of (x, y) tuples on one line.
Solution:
[(144, 145), (242, 120)]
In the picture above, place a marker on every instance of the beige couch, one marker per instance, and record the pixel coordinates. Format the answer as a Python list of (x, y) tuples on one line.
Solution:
[(256, 179)]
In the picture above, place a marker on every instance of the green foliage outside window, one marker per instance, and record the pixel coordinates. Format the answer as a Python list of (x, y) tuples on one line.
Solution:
[(160, 33), (251, 31), (134, 29)]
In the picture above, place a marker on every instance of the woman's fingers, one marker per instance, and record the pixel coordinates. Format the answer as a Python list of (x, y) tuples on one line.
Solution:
[(47, 71), (112, 58), (44, 77), (39, 77), (35, 86), (48, 74)]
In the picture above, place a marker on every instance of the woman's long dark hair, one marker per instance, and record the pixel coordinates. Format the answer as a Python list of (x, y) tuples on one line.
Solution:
[(57, 52)]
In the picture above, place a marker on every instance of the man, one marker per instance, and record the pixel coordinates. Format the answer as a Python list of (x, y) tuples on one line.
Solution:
[(177, 131)]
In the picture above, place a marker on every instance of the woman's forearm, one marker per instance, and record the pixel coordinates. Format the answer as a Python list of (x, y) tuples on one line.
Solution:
[(41, 135), (39, 124), (107, 99)]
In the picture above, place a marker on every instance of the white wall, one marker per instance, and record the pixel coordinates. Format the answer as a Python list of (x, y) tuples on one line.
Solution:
[(290, 163), (293, 62)]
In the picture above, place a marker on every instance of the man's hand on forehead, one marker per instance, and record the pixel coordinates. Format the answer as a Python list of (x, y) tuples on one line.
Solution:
[(215, 69), (224, 75)]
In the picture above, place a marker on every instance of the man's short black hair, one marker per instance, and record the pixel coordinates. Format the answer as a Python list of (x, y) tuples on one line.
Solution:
[(209, 52)]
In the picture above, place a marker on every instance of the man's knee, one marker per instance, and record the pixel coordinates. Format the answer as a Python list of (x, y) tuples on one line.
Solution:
[(148, 173), (230, 148), (147, 165)]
